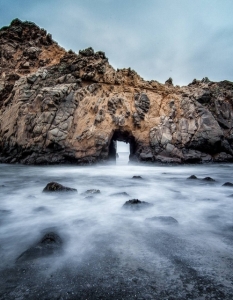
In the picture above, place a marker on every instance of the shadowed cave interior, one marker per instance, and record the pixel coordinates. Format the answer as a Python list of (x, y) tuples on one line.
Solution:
[(121, 136)]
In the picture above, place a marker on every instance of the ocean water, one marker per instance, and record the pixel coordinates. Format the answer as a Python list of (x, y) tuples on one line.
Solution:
[(122, 158), (109, 252)]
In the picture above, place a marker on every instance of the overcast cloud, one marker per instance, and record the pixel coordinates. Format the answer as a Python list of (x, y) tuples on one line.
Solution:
[(182, 39)]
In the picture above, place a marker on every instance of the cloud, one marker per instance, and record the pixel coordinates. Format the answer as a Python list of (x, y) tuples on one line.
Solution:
[(182, 39)]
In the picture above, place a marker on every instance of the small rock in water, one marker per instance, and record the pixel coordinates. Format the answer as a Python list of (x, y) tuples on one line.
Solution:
[(228, 184), (57, 187), (31, 197), (136, 204), (122, 194), (50, 243), (166, 220), (40, 209), (136, 177), (91, 192), (208, 179), (192, 177), (4, 212), (89, 197)]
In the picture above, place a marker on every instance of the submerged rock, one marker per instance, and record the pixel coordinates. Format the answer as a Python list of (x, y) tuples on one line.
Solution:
[(166, 220), (89, 197), (31, 197), (4, 212), (91, 192), (57, 187), (136, 204), (136, 177), (208, 179), (50, 244), (41, 209), (121, 194), (228, 184), (193, 177)]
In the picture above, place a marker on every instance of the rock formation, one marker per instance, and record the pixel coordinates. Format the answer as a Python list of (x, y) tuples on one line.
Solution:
[(62, 107)]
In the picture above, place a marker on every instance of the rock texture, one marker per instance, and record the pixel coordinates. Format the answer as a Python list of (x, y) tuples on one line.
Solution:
[(62, 107), (57, 187), (50, 243)]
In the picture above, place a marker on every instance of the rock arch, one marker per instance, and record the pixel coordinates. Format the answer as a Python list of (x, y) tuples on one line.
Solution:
[(66, 107), (122, 136)]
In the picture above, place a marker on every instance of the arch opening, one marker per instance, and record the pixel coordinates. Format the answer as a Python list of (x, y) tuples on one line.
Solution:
[(122, 136), (122, 156)]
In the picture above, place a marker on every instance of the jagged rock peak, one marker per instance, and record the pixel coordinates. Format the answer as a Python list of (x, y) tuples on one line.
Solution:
[(24, 31)]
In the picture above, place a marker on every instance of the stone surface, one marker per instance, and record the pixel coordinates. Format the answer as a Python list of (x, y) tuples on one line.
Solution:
[(62, 107), (135, 204), (208, 179), (50, 243), (230, 184), (137, 177), (57, 187), (166, 220), (192, 177)]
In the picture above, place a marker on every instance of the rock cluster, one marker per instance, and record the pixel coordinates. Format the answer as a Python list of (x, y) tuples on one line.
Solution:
[(62, 107)]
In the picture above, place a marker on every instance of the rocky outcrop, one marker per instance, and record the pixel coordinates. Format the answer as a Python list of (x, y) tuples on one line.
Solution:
[(135, 204), (57, 187), (62, 107), (50, 244)]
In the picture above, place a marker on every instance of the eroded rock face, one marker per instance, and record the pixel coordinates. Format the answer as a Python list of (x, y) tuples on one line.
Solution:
[(62, 107)]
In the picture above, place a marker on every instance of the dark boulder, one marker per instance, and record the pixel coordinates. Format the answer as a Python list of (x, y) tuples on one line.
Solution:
[(87, 52), (50, 244), (228, 184), (193, 177), (136, 204), (208, 179), (136, 177), (169, 81), (166, 220), (121, 194), (57, 187)]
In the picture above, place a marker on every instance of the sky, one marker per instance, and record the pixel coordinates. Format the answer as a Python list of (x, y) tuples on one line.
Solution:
[(122, 147), (182, 39)]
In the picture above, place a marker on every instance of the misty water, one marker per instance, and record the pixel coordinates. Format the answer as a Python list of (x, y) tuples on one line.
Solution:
[(112, 253)]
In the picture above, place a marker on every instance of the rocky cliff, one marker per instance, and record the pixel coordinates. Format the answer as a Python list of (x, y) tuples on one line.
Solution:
[(62, 107)]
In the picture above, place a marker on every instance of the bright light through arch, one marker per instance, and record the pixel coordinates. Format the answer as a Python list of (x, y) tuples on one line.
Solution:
[(122, 147)]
